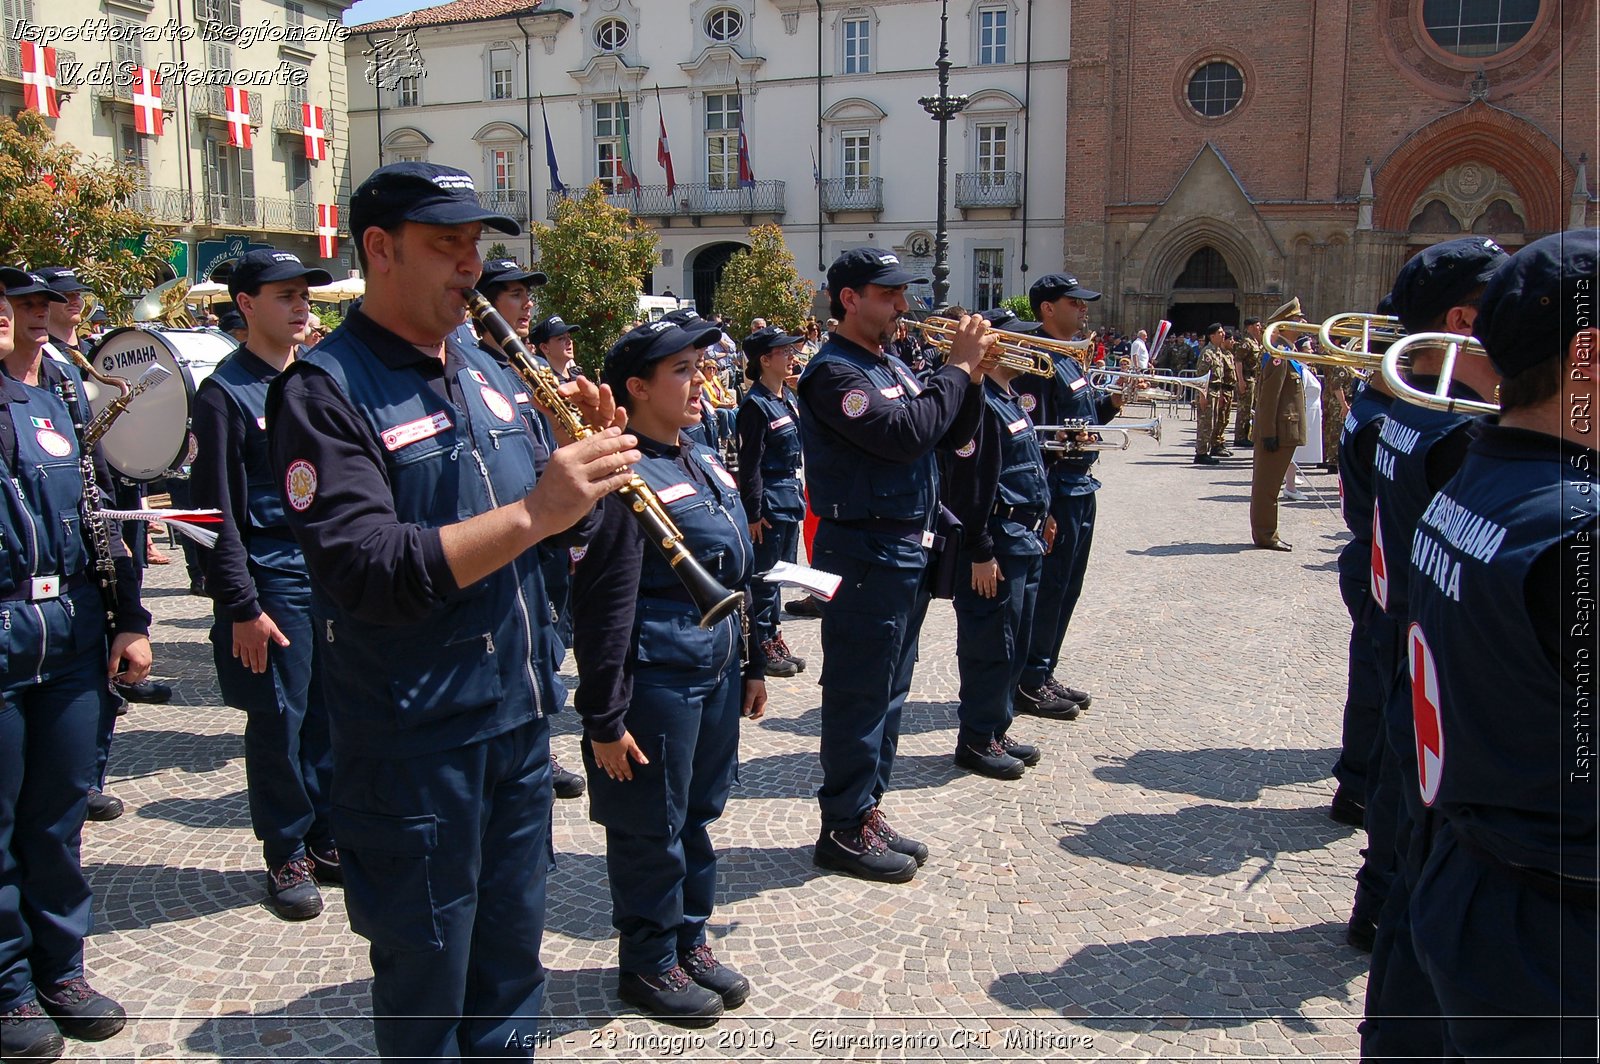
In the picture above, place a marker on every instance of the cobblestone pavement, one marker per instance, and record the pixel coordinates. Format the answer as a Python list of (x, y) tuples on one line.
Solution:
[(1166, 884)]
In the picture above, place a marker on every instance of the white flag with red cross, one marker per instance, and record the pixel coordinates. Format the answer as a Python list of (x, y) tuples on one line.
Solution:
[(39, 79), (147, 115), (311, 121), (236, 105), (327, 230)]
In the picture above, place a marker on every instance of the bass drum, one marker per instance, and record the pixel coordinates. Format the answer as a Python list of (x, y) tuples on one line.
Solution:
[(151, 438)]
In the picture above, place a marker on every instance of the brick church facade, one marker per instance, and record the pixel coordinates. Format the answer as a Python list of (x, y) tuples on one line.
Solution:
[(1223, 159)]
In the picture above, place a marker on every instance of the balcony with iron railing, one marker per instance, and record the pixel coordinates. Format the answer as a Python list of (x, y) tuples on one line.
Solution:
[(175, 206), (170, 206), (210, 101), (852, 194), (688, 200), (289, 117), (11, 59), (121, 91), (513, 203), (989, 188)]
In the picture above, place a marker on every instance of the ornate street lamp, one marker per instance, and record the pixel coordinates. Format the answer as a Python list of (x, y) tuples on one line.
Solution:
[(943, 107)]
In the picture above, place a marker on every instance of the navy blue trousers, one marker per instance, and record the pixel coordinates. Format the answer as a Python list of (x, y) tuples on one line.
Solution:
[(869, 649), (1060, 583), (1513, 966), (659, 858), (1402, 1011), (445, 858), (48, 722), (992, 638), (288, 755), (1364, 691), (780, 542)]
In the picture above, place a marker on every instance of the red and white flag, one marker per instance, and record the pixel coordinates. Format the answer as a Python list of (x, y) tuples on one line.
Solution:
[(327, 230), (316, 137), (39, 79), (236, 103), (147, 115)]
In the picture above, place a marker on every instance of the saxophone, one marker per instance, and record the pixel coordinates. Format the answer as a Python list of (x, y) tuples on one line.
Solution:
[(99, 529)]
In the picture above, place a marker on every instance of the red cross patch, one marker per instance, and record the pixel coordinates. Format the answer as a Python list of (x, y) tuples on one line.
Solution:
[(1425, 717)]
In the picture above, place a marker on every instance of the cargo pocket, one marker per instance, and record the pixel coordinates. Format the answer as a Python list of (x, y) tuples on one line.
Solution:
[(640, 806), (430, 683), (866, 655), (387, 869)]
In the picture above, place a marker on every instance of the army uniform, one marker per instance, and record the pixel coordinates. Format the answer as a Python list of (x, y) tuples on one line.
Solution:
[(1280, 422), (1247, 353), (1224, 383), (1335, 381)]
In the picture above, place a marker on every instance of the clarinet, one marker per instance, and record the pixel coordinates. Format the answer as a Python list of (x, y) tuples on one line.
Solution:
[(712, 599), (105, 567)]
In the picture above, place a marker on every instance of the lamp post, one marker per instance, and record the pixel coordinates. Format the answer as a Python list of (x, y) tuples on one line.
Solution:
[(942, 108)]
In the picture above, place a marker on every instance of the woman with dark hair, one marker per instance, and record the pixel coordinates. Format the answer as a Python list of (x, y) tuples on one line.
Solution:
[(660, 696)]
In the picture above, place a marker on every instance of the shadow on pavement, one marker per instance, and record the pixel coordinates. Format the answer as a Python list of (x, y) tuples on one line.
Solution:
[(918, 718), (136, 752), (1227, 774), (1173, 550), (1203, 840), (578, 897), (329, 1023), (1229, 979), (1224, 498), (136, 897), (799, 774), (224, 811)]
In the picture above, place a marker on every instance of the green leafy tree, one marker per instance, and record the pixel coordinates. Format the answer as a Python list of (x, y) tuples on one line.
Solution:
[(1019, 306), (497, 250), (762, 282), (594, 255), (58, 207)]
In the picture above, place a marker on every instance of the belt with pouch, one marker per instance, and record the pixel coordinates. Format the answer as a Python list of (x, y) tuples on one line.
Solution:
[(1029, 517), (44, 588)]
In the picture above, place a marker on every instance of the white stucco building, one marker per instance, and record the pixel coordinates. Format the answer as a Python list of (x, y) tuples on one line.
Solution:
[(827, 94)]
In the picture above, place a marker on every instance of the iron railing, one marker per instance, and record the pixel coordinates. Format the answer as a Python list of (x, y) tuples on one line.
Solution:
[(989, 188), (852, 193), (211, 101), (288, 117), (688, 199), (512, 203)]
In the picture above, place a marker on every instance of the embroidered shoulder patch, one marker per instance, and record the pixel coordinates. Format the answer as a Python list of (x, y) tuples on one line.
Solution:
[(968, 451), (1028, 402), (54, 444), (300, 484), (854, 403)]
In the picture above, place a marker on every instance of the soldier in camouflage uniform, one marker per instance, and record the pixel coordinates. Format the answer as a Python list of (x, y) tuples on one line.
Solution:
[(1336, 384), (1247, 358), (1208, 406), (1223, 386)]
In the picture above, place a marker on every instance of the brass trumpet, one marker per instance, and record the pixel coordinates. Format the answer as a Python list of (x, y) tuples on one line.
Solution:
[(1330, 355), (1116, 378), (1125, 431), (1022, 352), (1394, 363)]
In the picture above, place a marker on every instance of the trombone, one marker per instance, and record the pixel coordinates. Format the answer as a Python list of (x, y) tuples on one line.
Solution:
[(1454, 345), (1365, 330), (1332, 354), (1124, 432), (1022, 352), (1120, 378)]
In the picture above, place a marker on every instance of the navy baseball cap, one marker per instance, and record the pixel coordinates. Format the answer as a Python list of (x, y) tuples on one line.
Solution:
[(1054, 286), (1006, 318), (643, 347), (421, 192), (266, 265), (765, 341), (508, 271), (687, 317), (63, 279), (549, 328), (864, 266), (232, 321), (1539, 300), (27, 283), (1440, 277)]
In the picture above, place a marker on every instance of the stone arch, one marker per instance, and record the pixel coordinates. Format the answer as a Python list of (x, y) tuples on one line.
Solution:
[(1525, 155), (1168, 260), (702, 271)]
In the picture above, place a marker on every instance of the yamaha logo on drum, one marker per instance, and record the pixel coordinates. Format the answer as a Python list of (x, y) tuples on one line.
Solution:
[(123, 359)]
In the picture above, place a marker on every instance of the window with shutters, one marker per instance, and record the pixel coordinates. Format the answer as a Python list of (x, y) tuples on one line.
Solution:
[(610, 122), (218, 12), (294, 14), (501, 77), (127, 48)]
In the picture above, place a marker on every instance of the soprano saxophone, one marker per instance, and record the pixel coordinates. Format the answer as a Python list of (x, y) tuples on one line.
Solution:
[(712, 599), (105, 569)]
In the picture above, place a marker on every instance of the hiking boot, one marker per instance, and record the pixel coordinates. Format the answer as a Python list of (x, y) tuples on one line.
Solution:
[(1027, 753), (565, 782), (861, 853), (82, 1012), (1075, 695), (147, 691), (1221, 452), (784, 651), (26, 1033), (777, 664), (988, 759), (1347, 810), (1206, 459), (103, 806), (671, 997), (292, 890), (810, 606), (878, 824), (704, 968), (1041, 703), (325, 866)]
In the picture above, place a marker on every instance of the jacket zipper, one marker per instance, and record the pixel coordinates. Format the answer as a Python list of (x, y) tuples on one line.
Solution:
[(33, 532), (522, 602)]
